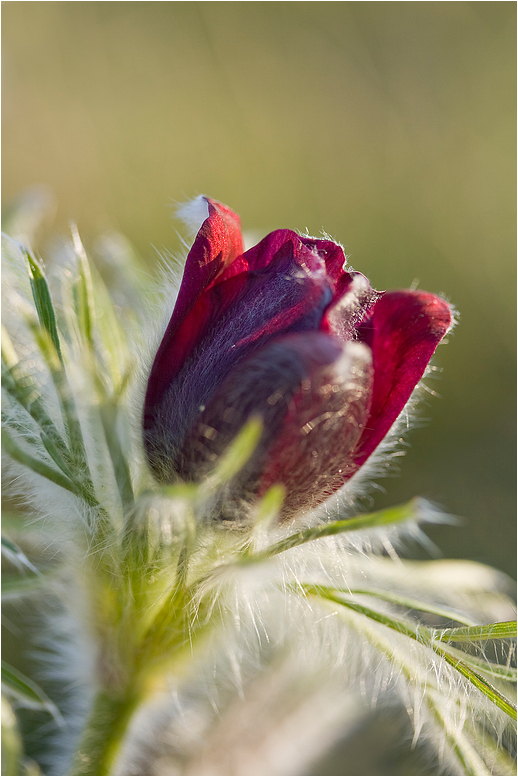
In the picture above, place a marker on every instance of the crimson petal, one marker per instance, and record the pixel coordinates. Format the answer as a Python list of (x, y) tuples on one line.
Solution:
[(308, 252), (312, 394), (216, 281), (313, 453), (403, 331), (208, 343), (216, 246), (283, 330)]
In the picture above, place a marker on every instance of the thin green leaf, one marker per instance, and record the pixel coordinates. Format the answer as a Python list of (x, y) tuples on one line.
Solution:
[(501, 671), (117, 361), (498, 699), (391, 515), (503, 630), (38, 466), (186, 492), (238, 453), (468, 755), (56, 455), (270, 505), (403, 626), (43, 301), (108, 413), (20, 385), (14, 587), (68, 407), (399, 658), (25, 394), (412, 604), (82, 292), (24, 391), (184, 556), (15, 555), (420, 634), (81, 485), (26, 691)]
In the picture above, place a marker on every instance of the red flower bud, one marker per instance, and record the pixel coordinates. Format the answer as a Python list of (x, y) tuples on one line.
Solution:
[(284, 332)]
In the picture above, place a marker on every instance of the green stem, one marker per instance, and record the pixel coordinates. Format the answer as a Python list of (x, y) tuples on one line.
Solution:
[(104, 733)]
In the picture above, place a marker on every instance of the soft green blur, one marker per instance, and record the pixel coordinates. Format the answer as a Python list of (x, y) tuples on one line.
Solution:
[(388, 125)]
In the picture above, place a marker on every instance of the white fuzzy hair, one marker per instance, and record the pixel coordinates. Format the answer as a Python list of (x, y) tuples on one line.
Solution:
[(193, 213)]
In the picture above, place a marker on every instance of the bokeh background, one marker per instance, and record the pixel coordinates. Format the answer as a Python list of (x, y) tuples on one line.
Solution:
[(389, 125)]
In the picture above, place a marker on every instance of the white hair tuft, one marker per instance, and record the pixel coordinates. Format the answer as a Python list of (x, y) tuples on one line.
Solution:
[(194, 212)]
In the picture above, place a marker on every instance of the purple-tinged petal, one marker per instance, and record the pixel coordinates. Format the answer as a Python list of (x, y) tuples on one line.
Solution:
[(313, 397), (313, 453), (209, 343), (307, 251), (216, 280), (403, 331), (217, 245), (284, 331), (353, 305)]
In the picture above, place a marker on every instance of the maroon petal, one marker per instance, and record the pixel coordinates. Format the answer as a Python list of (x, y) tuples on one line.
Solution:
[(216, 277), (284, 331), (217, 245), (403, 332), (312, 395), (313, 453), (228, 321), (270, 289), (308, 253)]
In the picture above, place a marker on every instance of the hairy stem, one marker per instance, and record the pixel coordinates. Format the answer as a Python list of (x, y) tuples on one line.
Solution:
[(104, 732)]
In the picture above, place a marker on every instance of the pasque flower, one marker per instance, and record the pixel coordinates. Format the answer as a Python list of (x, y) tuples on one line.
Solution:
[(158, 633), (284, 332)]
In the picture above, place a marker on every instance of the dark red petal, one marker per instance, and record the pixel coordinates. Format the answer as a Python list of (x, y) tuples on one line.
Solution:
[(308, 253), (217, 245), (312, 395), (286, 295), (217, 275), (313, 452), (261, 384), (352, 304), (333, 255), (229, 321), (403, 333)]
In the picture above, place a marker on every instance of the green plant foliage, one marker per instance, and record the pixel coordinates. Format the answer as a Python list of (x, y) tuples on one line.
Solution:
[(26, 691), (164, 592)]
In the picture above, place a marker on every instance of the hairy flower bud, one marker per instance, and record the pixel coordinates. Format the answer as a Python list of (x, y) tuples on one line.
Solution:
[(283, 332)]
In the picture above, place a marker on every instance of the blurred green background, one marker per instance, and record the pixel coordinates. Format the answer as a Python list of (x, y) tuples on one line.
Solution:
[(389, 125)]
